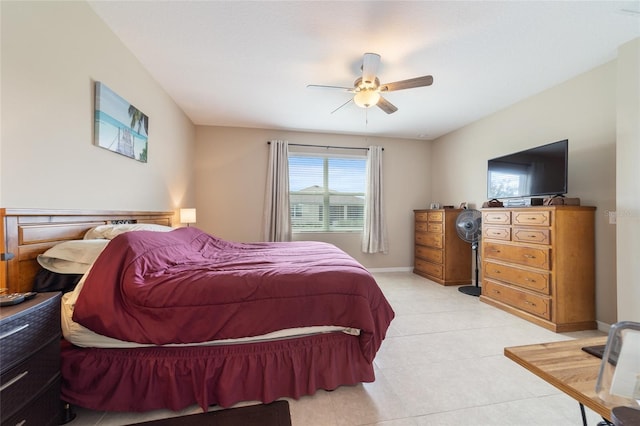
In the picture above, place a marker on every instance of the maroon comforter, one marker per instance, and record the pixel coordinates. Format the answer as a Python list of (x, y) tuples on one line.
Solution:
[(186, 286)]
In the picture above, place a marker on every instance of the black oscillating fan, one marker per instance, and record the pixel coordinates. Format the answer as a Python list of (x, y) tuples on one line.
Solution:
[(469, 227)]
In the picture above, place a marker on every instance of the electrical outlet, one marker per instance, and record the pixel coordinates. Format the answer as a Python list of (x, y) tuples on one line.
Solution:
[(612, 218)]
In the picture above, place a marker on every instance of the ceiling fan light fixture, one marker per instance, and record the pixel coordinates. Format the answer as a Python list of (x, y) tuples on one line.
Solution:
[(366, 98)]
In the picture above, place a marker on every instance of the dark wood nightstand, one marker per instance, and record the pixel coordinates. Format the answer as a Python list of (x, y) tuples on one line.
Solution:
[(30, 362)]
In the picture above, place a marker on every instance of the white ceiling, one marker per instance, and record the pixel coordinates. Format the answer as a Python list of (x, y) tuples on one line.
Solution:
[(247, 63)]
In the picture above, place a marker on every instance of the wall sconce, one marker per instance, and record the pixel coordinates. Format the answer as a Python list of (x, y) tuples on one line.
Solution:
[(188, 216)]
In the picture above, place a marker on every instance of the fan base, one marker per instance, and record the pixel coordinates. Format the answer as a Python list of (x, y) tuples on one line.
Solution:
[(470, 290)]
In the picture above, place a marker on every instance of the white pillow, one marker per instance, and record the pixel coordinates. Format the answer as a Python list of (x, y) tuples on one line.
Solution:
[(109, 232), (72, 257)]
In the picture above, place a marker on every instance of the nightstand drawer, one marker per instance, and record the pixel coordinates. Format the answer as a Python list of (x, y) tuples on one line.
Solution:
[(537, 281), (534, 304), (28, 330), (21, 382), (45, 409)]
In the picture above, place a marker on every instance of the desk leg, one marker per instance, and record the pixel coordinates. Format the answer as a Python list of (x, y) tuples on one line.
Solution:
[(584, 415)]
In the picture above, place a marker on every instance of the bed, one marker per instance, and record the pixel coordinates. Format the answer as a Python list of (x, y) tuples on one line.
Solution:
[(193, 335)]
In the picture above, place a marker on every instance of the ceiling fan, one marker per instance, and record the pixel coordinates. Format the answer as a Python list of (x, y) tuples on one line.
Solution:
[(367, 89)]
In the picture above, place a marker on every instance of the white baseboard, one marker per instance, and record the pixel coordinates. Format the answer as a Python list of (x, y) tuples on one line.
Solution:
[(397, 269), (603, 326)]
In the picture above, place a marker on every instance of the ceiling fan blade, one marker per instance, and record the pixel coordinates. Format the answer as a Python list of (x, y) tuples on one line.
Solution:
[(386, 106), (320, 86), (370, 63), (344, 104), (426, 80)]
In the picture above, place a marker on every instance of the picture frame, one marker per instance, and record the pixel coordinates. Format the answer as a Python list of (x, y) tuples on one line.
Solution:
[(120, 127), (463, 205)]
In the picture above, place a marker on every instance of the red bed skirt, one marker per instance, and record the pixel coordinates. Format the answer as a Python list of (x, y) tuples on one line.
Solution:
[(145, 379)]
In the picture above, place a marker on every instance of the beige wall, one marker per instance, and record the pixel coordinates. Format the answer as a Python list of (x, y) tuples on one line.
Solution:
[(583, 110), (52, 52), (628, 182), (231, 168)]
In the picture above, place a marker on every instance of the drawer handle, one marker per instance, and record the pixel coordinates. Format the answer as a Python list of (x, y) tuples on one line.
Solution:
[(14, 380), (529, 256), (530, 280), (497, 271), (14, 331), (529, 303), (496, 291), (494, 251)]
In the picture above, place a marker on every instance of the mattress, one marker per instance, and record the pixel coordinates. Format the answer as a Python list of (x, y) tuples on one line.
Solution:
[(86, 338)]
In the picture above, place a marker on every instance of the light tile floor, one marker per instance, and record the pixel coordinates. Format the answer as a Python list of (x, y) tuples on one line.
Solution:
[(442, 363)]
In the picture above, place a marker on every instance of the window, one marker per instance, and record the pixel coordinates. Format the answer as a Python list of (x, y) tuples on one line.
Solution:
[(327, 192)]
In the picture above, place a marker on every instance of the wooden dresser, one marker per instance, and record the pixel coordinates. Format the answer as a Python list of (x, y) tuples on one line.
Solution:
[(539, 263), (30, 362), (440, 254)]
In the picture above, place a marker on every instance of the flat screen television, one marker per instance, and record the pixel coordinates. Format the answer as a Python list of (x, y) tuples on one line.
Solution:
[(537, 171)]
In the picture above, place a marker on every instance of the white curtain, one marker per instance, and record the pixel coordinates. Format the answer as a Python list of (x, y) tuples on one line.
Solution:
[(277, 222), (374, 238)]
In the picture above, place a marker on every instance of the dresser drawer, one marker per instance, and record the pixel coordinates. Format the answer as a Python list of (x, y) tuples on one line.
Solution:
[(45, 409), (522, 255), (429, 239), (421, 216), (537, 281), (541, 218), (532, 235), (435, 216), (433, 269), (435, 227), (28, 330), (422, 226), (498, 218), (430, 254), (534, 304), (20, 383), (497, 232)]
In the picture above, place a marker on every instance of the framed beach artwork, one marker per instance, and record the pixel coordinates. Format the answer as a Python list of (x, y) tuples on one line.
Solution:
[(119, 126)]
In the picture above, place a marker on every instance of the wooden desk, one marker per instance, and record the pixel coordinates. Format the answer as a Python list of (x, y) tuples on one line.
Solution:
[(566, 366)]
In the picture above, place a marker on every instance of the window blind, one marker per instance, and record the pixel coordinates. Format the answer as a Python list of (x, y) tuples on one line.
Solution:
[(327, 192)]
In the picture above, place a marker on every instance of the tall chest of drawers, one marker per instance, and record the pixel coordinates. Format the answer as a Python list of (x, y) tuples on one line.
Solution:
[(440, 254), (539, 263), (30, 362)]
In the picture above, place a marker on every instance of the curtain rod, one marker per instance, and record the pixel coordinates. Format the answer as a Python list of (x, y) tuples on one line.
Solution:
[(326, 146)]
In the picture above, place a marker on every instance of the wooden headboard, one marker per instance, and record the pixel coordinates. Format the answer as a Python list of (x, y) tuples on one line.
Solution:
[(26, 233)]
